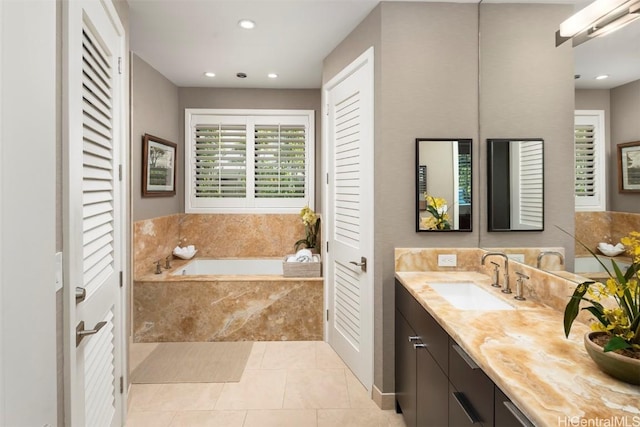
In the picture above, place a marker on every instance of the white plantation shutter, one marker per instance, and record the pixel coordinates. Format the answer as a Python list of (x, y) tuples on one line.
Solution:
[(585, 176), (531, 184), (590, 190), (220, 156), (240, 161), (280, 167)]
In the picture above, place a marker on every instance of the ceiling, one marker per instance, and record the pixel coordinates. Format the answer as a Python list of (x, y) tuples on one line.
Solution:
[(183, 39)]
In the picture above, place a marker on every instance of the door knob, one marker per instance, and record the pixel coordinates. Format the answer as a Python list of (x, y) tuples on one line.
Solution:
[(362, 264), (81, 332), (81, 294)]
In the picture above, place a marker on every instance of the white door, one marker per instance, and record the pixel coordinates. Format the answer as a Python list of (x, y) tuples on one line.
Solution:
[(93, 139), (349, 211)]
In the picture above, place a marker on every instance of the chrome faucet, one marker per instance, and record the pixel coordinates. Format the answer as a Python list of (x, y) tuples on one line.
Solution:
[(505, 285), (543, 253)]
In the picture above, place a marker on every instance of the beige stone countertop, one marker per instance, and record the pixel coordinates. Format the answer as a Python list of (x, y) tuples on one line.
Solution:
[(550, 378)]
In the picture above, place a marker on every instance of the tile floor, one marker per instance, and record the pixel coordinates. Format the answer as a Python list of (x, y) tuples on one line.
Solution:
[(298, 384)]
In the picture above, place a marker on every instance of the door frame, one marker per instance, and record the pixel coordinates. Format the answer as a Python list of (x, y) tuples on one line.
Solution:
[(366, 59), (121, 163)]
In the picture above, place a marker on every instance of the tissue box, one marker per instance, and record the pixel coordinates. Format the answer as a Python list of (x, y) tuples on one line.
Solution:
[(301, 269)]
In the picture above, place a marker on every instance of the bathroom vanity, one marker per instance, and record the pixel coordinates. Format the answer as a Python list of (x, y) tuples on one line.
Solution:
[(495, 367)]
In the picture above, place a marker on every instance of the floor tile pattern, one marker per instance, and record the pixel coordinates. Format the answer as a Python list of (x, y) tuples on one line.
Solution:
[(285, 383)]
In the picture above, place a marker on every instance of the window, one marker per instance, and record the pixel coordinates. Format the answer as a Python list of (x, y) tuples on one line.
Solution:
[(590, 173), (243, 161)]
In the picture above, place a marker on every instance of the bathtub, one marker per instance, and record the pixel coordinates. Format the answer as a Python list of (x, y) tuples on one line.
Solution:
[(590, 265), (227, 300), (231, 266)]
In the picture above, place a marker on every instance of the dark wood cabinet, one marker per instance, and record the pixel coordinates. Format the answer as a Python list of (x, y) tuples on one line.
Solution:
[(506, 413), (406, 393), (432, 385), (421, 382), (471, 384), (437, 382)]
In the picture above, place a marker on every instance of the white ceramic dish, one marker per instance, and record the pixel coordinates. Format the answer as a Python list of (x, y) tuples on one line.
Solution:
[(185, 255), (610, 250)]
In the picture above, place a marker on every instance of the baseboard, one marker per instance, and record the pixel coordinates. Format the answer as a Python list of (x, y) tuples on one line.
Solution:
[(384, 401)]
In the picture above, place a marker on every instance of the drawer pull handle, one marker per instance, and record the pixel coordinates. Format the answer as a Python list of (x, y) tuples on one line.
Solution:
[(465, 357), (414, 338), (522, 419), (466, 406), (420, 345)]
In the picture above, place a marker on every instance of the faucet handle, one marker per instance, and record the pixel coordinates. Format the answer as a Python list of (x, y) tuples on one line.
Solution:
[(519, 284), (496, 270), (167, 262), (158, 267)]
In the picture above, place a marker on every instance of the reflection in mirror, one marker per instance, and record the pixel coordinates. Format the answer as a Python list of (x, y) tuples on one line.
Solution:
[(443, 184), (516, 185)]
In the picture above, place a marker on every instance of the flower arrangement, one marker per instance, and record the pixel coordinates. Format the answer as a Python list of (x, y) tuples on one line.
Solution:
[(615, 304), (439, 219), (312, 226)]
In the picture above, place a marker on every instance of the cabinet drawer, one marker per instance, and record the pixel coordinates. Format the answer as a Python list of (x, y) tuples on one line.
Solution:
[(506, 413), (425, 326), (471, 383)]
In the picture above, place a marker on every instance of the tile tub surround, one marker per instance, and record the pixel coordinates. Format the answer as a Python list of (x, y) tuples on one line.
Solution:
[(228, 308), (215, 236), (524, 351), (595, 227)]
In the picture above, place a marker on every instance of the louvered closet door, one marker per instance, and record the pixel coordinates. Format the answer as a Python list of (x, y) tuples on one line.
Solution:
[(92, 217), (350, 214)]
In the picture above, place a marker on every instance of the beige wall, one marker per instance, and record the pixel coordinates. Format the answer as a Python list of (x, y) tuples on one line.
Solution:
[(625, 127), (154, 110), (279, 99), (426, 85), (622, 109)]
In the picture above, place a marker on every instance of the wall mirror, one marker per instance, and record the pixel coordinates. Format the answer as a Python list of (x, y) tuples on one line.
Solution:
[(515, 184), (443, 184)]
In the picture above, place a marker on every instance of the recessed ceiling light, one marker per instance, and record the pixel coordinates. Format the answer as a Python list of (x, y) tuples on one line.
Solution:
[(247, 24), (272, 75), (602, 77), (209, 74)]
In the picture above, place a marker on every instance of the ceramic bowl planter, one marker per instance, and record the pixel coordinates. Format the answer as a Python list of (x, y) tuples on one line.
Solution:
[(624, 368)]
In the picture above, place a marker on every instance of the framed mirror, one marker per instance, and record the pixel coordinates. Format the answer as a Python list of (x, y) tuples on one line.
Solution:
[(515, 184), (443, 184)]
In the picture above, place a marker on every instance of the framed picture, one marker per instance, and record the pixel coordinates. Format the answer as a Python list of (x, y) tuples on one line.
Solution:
[(158, 167), (629, 167)]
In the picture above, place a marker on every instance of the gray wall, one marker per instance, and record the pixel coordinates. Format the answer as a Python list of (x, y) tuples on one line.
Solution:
[(625, 127), (279, 99), (154, 110), (527, 91), (426, 85)]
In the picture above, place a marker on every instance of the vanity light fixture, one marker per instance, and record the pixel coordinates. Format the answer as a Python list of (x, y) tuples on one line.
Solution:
[(247, 24), (209, 74), (599, 18), (615, 25)]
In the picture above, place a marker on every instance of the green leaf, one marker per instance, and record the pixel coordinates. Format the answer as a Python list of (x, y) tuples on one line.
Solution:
[(598, 315), (616, 343), (573, 306)]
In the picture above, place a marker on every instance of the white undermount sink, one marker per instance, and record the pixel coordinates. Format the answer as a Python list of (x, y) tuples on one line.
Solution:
[(468, 296)]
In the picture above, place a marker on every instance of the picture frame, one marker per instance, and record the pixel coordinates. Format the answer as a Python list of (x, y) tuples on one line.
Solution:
[(629, 167), (159, 162)]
